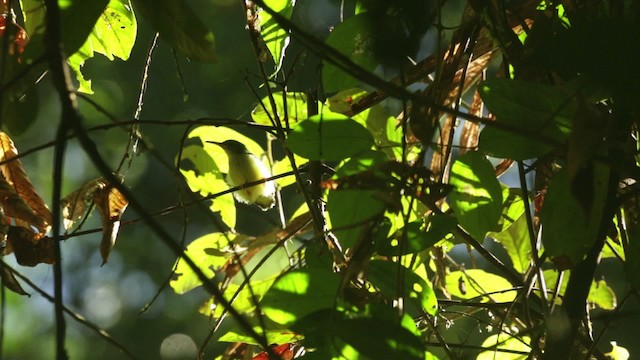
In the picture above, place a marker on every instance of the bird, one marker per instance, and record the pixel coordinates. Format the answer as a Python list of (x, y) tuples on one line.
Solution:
[(244, 168)]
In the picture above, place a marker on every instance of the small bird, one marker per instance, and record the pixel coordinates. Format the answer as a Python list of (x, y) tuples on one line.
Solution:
[(245, 167)]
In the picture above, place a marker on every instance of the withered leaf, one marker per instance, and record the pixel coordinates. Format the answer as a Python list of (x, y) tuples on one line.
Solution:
[(29, 247), (16, 176), (15, 207), (75, 204), (10, 281), (111, 203)]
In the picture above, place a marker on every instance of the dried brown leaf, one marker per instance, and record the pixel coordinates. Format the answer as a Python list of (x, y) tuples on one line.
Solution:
[(75, 204), (10, 281), (30, 248), (16, 176), (15, 207), (111, 204)]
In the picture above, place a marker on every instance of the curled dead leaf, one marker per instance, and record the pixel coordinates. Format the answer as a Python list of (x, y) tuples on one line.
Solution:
[(30, 248), (15, 207), (15, 175), (9, 280), (111, 204), (75, 204)]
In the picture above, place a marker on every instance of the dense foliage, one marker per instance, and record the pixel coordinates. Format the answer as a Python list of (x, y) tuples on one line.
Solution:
[(453, 179)]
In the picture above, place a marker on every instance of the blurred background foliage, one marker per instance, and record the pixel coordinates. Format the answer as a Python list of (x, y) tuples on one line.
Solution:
[(112, 296)]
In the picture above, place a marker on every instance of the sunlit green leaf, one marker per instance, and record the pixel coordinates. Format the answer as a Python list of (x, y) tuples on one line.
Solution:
[(114, 34), (600, 294), (179, 25), (275, 334), (349, 210), (480, 285), (618, 352), (515, 239), (477, 195), (379, 338), (384, 127), (532, 110), (506, 342), (299, 293), (296, 109), (207, 260), (418, 239), (78, 18), (33, 13), (352, 38), (330, 137), (570, 243), (203, 176), (384, 276), (275, 37)]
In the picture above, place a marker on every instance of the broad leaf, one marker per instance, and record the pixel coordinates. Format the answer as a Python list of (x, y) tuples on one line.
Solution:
[(532, 110), (353, 38), (206, 252), (418, 239), (479, 285), (291, 109), (77, 21), (569, 244), (477, 195), (179, 25), (600, 294), (113, 35), (299, 293), (384, 276), (349, 210), (275, 37), (330, 137), (506, 342)]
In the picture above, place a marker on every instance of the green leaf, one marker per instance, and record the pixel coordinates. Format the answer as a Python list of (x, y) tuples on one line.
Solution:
[(505, 342), (515, 239), (339, 335), (300, 293), (386, 133), (477, 196), (569, 244), (480, 285), (201, 251), (618, 352), (203, 175), (379, 338), (532, 109), (296, 108), (33, 13), (330, 137), (179, 25), (113, 35), (384, 276), (418, 239), (276, 334), (600, 294), (349, 210), (275, 37), (353, 38), (77, 19)]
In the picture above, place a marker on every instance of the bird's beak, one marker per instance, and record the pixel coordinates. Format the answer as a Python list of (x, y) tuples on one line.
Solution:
[(216, 143)]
